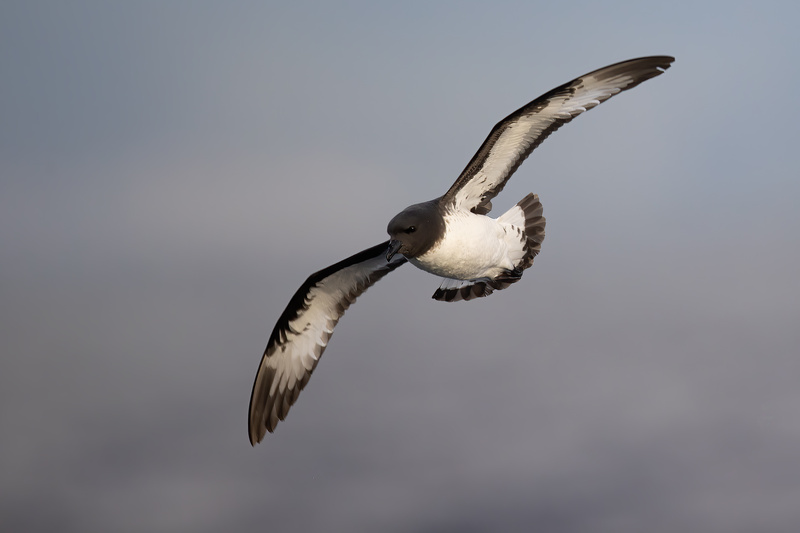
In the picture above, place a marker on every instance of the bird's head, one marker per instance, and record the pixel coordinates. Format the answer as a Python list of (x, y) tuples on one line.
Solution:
[(415, 230)]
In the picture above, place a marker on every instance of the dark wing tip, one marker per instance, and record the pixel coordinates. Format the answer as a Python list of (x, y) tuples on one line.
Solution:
[(662, 62), (257, 425), (266, 409), (641, 69)]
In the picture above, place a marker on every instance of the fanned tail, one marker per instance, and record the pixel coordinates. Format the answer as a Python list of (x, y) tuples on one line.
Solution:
[(527, 214)]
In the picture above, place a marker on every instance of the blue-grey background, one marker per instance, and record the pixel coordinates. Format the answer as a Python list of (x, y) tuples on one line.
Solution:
[(170, 172)]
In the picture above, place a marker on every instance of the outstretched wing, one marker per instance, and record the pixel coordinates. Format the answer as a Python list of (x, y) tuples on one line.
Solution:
[(303, 331), (515, 137)]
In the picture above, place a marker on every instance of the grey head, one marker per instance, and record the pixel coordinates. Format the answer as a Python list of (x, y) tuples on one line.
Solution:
[(415, 229)]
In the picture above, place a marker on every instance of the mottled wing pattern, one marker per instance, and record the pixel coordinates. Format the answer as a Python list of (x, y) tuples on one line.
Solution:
[(303, 331), (513, 139)]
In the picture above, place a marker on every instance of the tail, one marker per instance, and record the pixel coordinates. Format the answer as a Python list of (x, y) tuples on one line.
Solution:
[(527, 214)]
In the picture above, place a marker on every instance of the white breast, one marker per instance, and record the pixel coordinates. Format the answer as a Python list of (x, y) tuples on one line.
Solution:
[(473, 247)]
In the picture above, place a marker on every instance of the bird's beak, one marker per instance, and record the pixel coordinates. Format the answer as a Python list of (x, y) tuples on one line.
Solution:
[(394, 247)]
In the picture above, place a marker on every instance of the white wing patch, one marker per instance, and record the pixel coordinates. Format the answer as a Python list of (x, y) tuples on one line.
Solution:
[(303, 331)]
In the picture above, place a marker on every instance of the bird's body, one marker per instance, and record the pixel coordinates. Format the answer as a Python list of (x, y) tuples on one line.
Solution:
[(457, 256), (450, 236), (474, 246)]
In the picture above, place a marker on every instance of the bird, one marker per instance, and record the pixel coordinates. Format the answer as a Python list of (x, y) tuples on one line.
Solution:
[(450, 236)]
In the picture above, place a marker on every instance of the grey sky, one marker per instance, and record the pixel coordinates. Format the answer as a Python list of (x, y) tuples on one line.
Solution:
[(171, 172)]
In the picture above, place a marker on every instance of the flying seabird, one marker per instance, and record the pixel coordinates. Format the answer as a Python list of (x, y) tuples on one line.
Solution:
[(450, 236)]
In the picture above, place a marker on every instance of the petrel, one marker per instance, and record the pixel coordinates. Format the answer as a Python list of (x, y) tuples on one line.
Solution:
[(450, 236)]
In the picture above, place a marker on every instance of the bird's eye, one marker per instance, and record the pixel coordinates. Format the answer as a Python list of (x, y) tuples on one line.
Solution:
[(411, 229)]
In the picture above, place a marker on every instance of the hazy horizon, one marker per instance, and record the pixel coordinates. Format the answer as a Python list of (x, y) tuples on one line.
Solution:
[(172, 172)]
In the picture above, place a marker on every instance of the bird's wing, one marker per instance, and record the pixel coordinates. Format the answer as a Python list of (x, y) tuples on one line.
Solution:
[(514, 138), (303, 331)]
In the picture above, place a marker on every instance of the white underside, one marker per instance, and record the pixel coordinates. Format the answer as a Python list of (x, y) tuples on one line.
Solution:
[(475, 246)]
